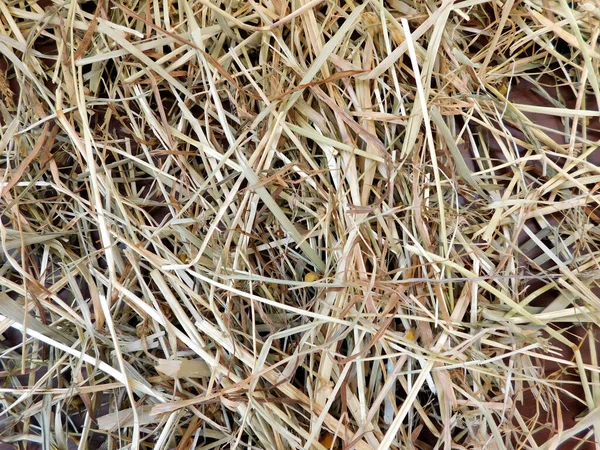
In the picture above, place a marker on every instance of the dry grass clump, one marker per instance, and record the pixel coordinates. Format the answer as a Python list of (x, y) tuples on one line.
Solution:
[(299, 224)]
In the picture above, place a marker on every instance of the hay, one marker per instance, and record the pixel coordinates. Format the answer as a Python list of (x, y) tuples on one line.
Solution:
[(299, 225)]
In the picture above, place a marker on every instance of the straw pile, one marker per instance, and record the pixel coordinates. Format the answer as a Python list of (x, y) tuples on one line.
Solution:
[(299, 224)]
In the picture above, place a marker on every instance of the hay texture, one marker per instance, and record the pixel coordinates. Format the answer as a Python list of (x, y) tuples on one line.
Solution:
[(299, 224)]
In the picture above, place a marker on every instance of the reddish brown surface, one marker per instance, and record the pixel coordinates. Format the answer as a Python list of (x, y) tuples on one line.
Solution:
[(567, 406), (567, 399)]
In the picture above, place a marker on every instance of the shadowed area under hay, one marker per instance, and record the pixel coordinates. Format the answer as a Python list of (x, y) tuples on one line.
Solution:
[(299, 224)]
